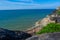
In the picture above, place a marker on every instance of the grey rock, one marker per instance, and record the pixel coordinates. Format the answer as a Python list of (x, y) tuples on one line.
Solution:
[(48, 36), (6, 34)]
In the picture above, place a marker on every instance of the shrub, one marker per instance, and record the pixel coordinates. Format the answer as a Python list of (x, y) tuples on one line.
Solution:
[(58, 12)]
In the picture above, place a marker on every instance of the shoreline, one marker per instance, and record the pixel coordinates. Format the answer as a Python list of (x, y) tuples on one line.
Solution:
[(39, 25), (34, 29)]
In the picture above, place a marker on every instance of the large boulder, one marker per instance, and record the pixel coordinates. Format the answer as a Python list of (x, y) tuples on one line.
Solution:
[(13, 35), (49, 36)]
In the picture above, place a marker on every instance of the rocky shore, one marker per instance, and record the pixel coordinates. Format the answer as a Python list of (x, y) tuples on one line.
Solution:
[(53, 18), (39, 25)]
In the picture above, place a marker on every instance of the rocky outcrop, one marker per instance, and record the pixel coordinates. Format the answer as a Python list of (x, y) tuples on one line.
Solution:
[(13, 35), (48, 36)]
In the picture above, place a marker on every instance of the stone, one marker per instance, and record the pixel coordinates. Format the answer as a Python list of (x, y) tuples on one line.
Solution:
[(13, 35), (48, 36)]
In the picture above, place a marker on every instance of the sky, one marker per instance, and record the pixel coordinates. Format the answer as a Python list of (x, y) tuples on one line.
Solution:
[(29, 4)]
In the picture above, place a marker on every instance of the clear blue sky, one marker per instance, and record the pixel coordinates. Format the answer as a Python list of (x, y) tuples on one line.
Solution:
[(28, 4)]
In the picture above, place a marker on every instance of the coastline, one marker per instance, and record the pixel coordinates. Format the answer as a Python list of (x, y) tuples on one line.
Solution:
[(39, 25)]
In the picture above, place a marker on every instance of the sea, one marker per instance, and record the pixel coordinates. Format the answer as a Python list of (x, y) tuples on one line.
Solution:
[(22, 19)]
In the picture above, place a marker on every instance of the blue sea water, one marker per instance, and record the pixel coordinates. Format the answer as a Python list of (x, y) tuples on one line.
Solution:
[(21, 19)]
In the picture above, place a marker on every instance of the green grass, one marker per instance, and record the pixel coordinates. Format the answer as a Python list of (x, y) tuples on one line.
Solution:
[(58, 12), (50, 28)]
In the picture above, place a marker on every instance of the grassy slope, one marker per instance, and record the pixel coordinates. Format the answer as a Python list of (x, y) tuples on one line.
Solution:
[(52, 27), (58, 12)]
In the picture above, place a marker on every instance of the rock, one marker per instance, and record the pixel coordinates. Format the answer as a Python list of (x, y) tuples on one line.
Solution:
[(49, 36), (13, 35)]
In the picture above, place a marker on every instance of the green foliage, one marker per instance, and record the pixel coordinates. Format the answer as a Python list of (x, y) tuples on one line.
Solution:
[(50, 28), (58, 12)]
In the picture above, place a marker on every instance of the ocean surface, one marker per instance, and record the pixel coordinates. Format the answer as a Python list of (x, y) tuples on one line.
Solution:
[(22, 19)]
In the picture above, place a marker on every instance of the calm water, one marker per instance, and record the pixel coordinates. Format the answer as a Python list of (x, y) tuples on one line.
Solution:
[(21, 19)]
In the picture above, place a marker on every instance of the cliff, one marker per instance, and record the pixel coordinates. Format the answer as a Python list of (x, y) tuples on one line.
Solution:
[(39, 25), (53, 18)]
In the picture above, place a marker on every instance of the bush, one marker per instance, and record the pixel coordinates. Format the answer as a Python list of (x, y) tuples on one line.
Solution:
[(58, 12), (50, 28)]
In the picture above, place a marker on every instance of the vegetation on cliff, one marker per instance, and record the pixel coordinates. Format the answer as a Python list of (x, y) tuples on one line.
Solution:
[(50, 28), (58, 12)]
